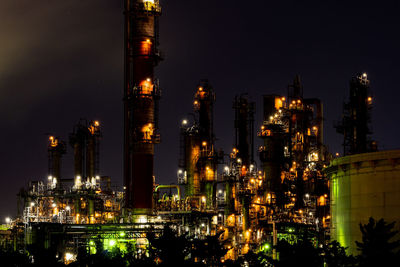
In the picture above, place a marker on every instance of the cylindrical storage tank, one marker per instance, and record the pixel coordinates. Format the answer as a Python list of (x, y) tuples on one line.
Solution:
[(363, 186)]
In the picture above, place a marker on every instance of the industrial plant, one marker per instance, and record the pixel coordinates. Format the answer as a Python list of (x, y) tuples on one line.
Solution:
[(250, 197)]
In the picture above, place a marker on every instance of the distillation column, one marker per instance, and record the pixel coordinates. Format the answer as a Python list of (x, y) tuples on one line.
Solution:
[(244, 129), (141, 94), (356, 118), (85, 141), (56, 149)]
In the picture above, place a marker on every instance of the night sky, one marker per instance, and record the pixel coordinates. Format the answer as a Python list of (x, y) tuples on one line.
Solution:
[(63, 60)]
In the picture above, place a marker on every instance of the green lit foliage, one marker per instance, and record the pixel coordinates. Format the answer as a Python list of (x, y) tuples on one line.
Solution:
[(266, 247), (99, 247), (112, 256), (289, 236), (376, 247)]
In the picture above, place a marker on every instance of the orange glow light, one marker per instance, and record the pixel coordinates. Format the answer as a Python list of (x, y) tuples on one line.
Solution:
[(53, 141), (147, 87), (145, 47)]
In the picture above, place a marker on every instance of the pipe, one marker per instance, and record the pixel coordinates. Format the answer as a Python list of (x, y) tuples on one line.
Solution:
[(169, 186)]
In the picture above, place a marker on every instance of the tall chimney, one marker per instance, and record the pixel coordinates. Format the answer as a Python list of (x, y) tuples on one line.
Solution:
[(141, 95)]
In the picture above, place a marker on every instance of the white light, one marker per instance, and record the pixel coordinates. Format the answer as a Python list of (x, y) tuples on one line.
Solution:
[(226, 168), (307, 195), (97, 177), (32, 204), (251, 166), (184, 122), (239, 160), (69, 256), (364, 75), (202, 225), (67, 208), (53, 205), (220, 191), (8, 220), (50, 177), (142, 219), (179, 171), (220, 215)]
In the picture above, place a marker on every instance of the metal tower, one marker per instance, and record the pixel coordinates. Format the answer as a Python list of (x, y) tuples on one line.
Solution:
[(141, 95), (356, 118)]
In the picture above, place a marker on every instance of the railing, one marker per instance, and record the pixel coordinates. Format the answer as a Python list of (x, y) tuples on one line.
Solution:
[(147, 6), (140, 90)]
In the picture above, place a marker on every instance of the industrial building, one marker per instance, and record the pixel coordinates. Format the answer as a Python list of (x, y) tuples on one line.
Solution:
[(364, 183), (223, 192), (250, 196)]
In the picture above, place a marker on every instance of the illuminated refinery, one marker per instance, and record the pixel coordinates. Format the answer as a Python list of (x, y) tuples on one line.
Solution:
[(250, 196)]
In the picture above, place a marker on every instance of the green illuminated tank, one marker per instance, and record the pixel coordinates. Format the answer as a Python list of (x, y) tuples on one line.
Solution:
[(361, 186)]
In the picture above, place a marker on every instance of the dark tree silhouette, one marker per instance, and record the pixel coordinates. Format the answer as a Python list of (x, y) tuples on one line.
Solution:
[(334, 255), (301, 253), (169, 248), (44, 257), (10, 258), (261, 258), (376, 248), (208, 251)]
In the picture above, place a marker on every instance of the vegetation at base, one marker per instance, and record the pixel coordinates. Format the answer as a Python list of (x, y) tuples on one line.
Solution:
[(170, 249), (376, 248), (301, 253)]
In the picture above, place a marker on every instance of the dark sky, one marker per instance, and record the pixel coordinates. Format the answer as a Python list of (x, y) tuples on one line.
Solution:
[(63, 60)]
